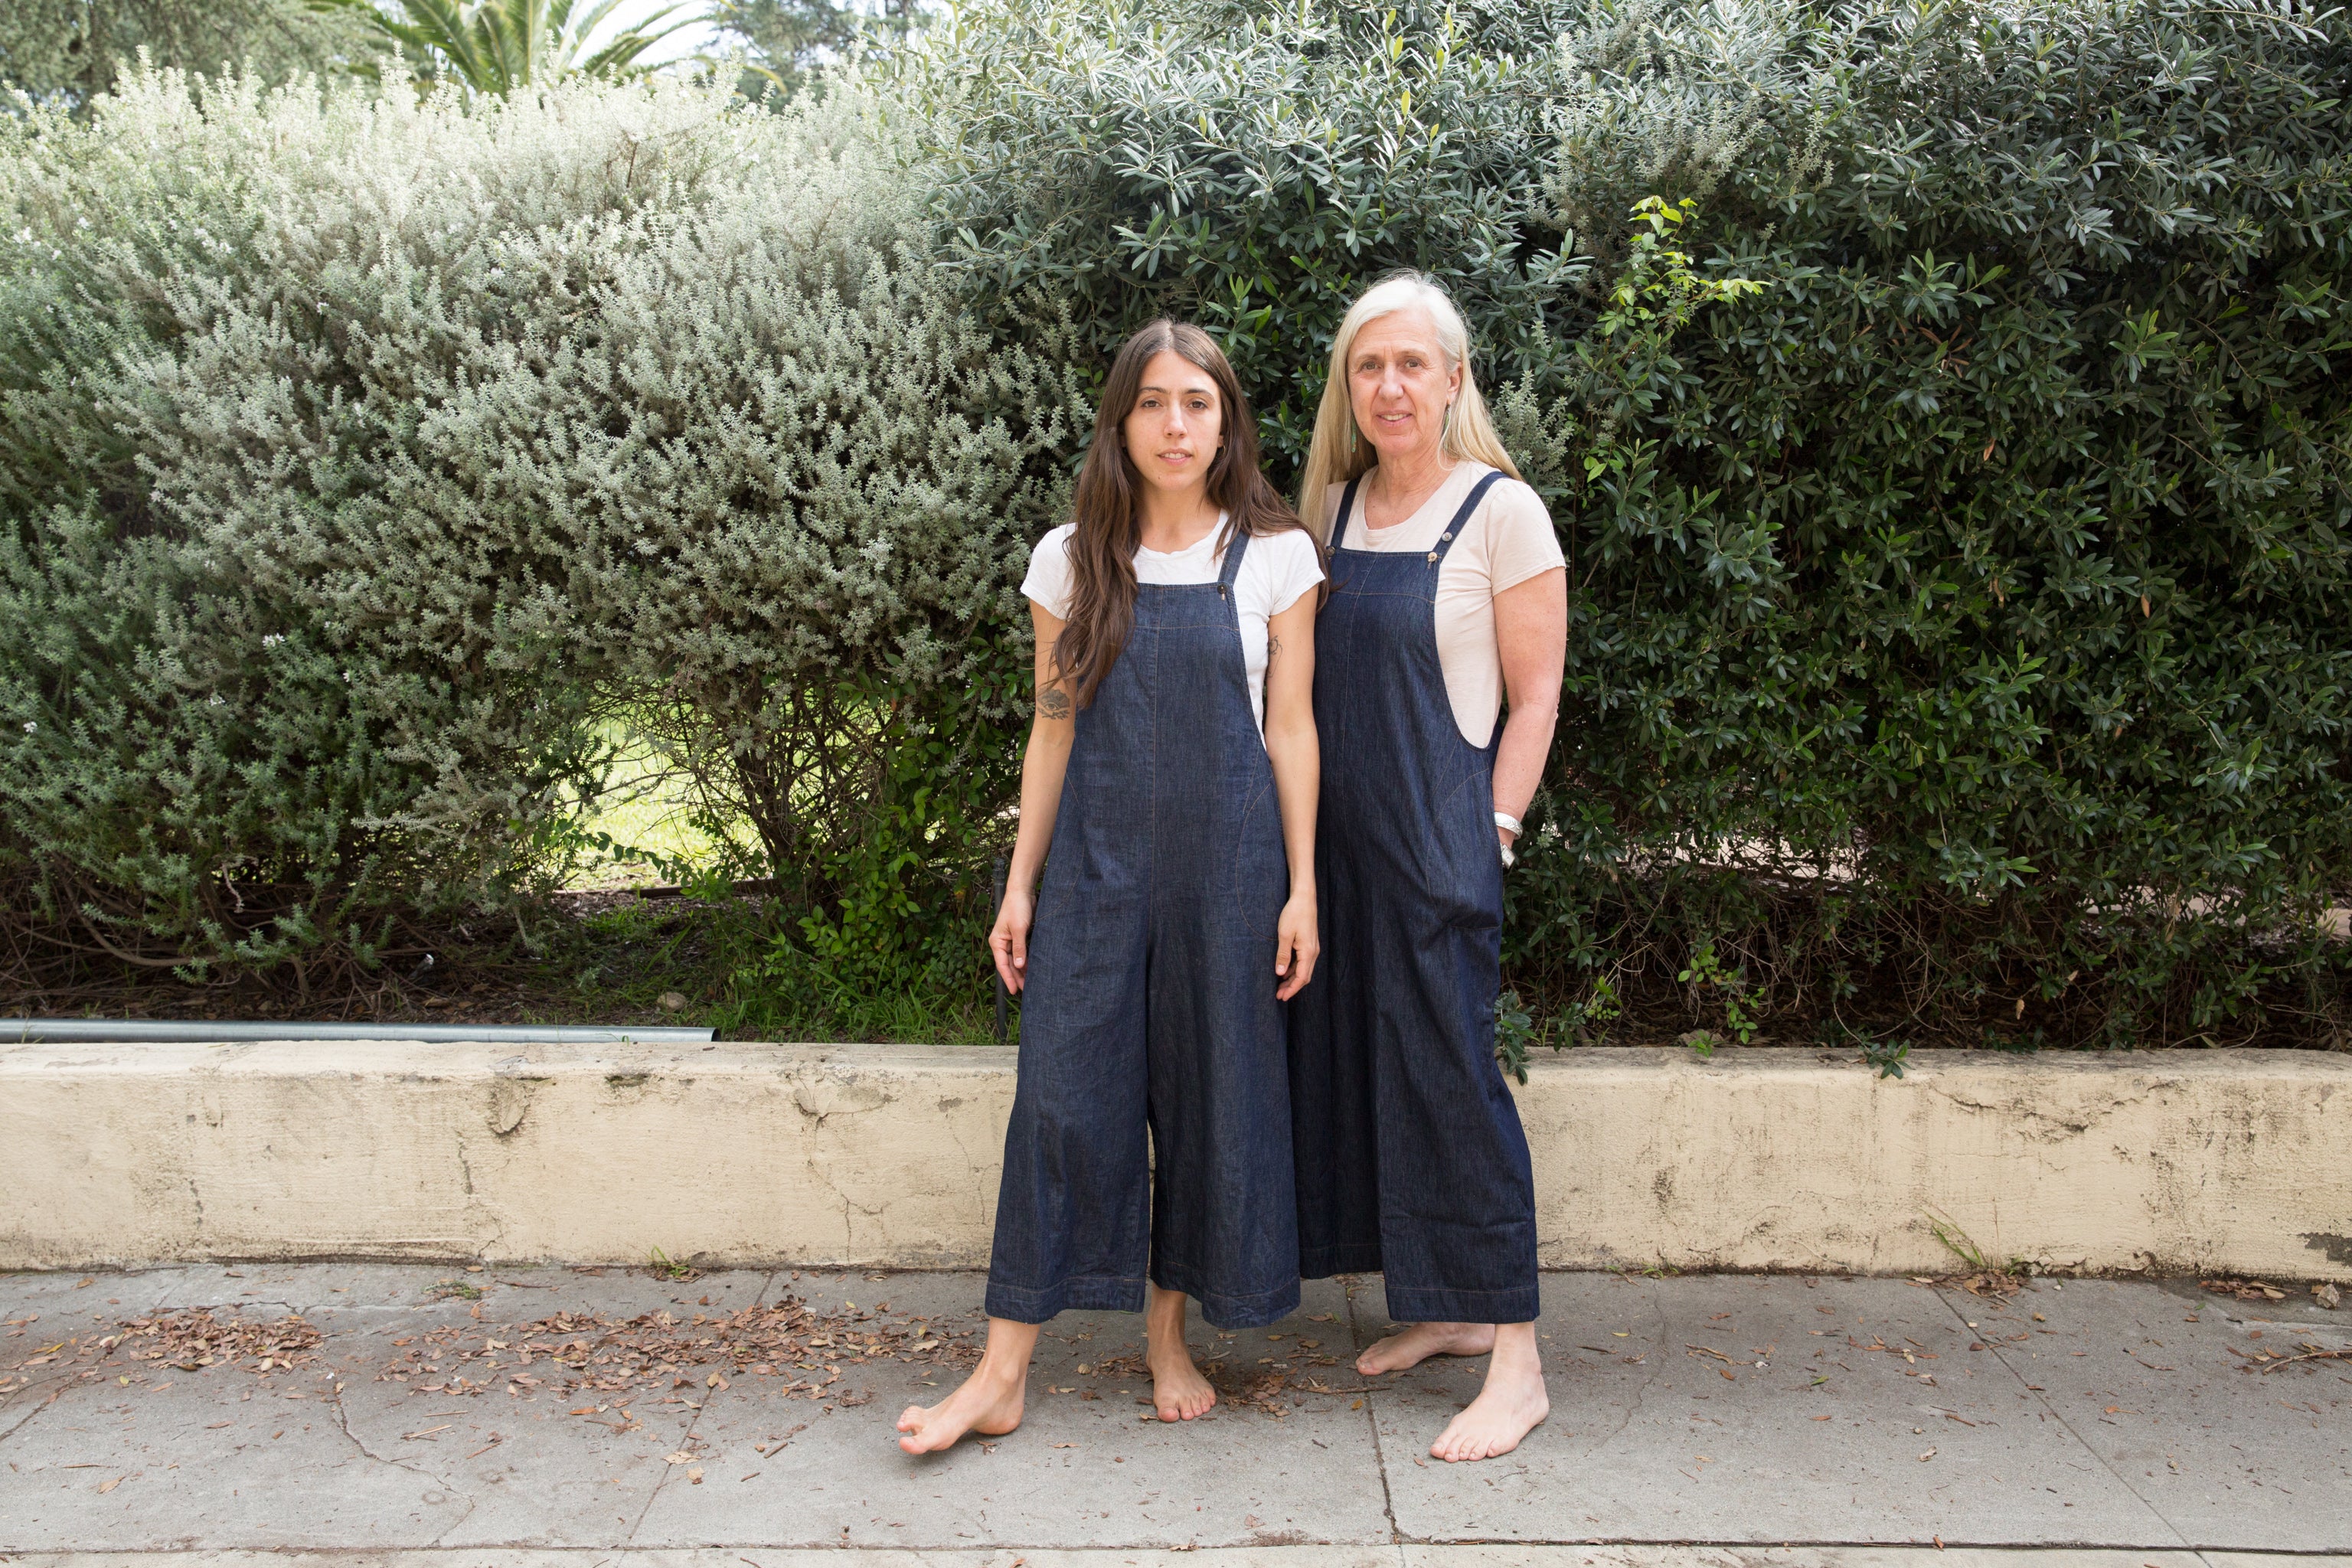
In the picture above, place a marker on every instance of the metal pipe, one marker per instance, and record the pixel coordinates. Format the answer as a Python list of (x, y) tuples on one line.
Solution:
[(34, 1031)]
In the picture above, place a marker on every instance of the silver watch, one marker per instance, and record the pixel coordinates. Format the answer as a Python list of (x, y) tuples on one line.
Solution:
[(1504, 819)]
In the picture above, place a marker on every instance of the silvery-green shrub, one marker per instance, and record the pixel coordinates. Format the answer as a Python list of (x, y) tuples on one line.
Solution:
[(69, 52), (360, 454)]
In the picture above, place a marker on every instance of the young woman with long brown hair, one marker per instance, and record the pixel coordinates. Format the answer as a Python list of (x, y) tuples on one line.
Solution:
[(1169, 796)]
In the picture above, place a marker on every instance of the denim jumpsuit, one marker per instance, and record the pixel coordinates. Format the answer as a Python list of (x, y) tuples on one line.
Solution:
[(1411, 1159), (1150, 998)]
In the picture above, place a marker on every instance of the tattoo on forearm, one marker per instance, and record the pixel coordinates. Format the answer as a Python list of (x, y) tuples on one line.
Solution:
[(1272, 647), (1054, 702)]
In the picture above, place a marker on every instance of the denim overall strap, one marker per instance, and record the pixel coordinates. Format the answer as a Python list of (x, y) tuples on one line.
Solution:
[(1149, 1135), (1409, 1155), (1346, 505), (1462, 516), (1236, 548)]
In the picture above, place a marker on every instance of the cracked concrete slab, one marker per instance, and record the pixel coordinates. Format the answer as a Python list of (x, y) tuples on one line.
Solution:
[(1397, 1557), (205, 1461), (2164, 1387), (1622, 1556), (1650, 1441), (451, 1293), (37, 1310), (1759, 1409), (527, 1470), (1082, 1471)]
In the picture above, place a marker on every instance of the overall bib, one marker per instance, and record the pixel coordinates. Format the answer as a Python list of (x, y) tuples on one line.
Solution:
[(1411, 1159), (1150, 1000)]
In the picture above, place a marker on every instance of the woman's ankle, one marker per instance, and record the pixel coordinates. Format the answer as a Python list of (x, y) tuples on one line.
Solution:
[(1002, 1373)]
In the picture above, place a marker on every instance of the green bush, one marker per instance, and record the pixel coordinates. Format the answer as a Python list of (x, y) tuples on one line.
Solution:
[(1252, 169), (1957, 629), (362, 454), (1942, 409), (69, 52), (1957, 621)]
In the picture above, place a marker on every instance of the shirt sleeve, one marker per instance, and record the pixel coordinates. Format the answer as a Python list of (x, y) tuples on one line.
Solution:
[(1048, 586), (1297, 567), (1520, 541)]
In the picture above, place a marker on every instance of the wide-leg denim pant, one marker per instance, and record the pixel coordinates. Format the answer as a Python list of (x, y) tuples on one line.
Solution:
[(1411, 1159), (1149, 1008)]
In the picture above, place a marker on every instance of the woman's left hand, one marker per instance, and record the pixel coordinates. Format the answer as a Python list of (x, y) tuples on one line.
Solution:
[(1297, 946)]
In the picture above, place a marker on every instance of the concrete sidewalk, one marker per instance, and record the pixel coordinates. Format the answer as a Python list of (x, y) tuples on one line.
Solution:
[(452, 1417)]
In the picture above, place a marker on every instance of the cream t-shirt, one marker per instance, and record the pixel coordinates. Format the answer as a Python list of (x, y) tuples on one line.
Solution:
[(1276, 570), (1507, 540)]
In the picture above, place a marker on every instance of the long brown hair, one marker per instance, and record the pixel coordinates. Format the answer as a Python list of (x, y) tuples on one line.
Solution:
[(1110, 513)]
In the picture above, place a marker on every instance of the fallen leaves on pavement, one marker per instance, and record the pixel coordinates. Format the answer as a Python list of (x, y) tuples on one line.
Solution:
[(2245, 1289), (2270, 1360), (188, 1341), (192, 1340), (574, 1351), (1249, 1389)]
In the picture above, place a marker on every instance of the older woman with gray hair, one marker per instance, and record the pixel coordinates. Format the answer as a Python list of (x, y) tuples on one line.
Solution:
[(1448, 606)]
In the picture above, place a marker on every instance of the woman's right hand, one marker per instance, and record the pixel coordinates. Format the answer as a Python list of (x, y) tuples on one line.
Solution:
[(1008, 940)]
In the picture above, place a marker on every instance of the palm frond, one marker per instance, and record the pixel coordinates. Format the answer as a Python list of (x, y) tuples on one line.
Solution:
[(495, 45)]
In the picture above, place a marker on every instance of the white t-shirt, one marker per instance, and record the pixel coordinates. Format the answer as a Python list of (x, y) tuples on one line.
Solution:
[(1507, 540), (1276, 570)]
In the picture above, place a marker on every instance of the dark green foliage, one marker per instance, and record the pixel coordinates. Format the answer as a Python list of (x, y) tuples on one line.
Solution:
[(1250, 171), (790, 42), (69, 51), (1958, 622), (1958, 649), (1958, 630)]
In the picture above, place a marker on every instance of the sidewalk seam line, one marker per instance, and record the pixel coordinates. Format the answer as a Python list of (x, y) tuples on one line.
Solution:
[(1372, 1422), (2058, 1415)]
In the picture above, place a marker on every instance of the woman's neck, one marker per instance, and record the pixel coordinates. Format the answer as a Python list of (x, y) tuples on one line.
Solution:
[(1400, 481), (1176, 520)]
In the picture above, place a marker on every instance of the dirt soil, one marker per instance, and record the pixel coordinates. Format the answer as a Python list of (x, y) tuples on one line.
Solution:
[(612, 957)]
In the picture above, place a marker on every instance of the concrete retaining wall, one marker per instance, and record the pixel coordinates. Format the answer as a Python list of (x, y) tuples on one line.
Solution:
[(2207, 1162)]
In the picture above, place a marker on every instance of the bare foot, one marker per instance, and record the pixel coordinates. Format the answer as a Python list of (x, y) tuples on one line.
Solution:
[(1419, 1342), (1179, 1391), (1508, 1408), (990, 1401), (985, 1404)]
